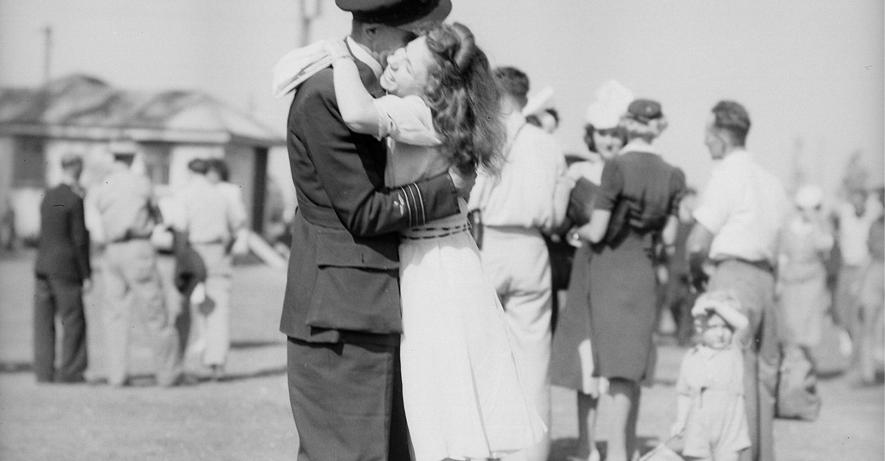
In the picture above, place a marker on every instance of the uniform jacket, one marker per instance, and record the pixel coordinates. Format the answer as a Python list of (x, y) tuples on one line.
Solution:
[(63, 251), (343, 266)]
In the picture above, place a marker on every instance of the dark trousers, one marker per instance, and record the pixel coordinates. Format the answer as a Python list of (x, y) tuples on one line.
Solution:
[(347, 401), (63, 298)]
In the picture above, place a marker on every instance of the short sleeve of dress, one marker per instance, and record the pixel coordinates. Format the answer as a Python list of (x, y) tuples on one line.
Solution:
[(610, 187), (677, 191), (407, 120)]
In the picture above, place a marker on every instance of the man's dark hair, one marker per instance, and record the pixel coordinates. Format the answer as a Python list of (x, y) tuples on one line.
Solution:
[(198, 166), (553, 113), (219, 166), (71, 161), (733, 118), (513, 82)]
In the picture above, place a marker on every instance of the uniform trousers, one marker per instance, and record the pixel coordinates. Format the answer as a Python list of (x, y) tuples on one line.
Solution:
[(517, 263), (347, 401), (134, 294), (213, 322), (754, 288), (63, 298)]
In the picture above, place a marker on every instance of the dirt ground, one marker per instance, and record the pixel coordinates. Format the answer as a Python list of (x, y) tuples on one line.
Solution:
[(246, 416)]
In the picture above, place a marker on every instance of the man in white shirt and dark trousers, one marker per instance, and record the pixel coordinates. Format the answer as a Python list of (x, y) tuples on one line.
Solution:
[(736, 230), (527, 199)]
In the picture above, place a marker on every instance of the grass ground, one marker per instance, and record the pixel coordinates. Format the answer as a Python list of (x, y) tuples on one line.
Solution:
[(246, 416)]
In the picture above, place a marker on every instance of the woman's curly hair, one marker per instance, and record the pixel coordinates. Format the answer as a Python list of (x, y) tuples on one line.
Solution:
[(464, 99)]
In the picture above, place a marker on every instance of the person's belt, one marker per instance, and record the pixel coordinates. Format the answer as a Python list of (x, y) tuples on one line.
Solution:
[(764, 265), (129, 236), (217, 241)]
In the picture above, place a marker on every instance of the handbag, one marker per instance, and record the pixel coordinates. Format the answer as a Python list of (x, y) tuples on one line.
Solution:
[(562, 254), (474, 223), (581, 201)]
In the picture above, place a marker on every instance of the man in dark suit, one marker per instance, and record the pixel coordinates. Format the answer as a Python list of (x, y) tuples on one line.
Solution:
[(62, 272), (341, 311)]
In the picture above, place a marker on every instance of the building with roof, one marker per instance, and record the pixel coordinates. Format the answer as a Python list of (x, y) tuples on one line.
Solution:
[(84, 115)]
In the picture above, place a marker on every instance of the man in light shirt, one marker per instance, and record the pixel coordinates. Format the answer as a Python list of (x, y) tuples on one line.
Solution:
[(737, 223), (128, 213), (527, 199), (210, 223)]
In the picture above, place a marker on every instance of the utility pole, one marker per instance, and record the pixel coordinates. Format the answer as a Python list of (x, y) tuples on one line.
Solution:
[(47, 52), (310, 10)]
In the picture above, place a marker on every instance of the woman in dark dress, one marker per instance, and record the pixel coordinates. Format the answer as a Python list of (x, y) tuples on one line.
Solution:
[(571, 361), (636, 208)]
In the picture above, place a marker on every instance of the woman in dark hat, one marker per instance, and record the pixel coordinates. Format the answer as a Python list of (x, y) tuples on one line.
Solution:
[(636, 208), (571, 363)]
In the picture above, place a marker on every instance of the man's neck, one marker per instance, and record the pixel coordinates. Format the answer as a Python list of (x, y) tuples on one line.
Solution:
[(509, 106), (732, 150), (69, 180)]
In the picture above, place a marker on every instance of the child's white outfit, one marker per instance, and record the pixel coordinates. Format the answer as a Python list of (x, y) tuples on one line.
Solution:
[(717, 420), (462, 395)]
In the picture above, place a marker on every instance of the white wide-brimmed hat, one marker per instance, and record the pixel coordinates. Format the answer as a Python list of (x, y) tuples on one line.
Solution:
[(612, 100), (809, 196)]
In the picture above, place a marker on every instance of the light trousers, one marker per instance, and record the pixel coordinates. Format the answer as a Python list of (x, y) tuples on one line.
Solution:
[(134, 294), (213, 320), (517, 263)]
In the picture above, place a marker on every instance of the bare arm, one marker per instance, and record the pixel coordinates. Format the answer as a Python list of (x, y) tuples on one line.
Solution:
[(668, 235), (594, 230), (683, 404), (698, 247), (354, 101)]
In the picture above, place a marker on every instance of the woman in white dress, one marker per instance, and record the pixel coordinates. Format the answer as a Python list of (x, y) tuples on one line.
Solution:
[(461, 392)]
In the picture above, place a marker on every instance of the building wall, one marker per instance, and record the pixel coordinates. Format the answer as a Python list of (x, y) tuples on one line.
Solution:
[(241, 161)]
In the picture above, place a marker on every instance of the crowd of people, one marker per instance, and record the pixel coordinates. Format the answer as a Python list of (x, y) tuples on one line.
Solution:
[(438, 225), (205, 222), (642, 242)]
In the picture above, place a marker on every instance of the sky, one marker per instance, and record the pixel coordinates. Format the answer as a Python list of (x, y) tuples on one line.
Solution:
[(810, 72)]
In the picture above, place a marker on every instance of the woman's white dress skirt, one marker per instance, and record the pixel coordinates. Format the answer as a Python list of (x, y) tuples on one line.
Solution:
[(461, 392)]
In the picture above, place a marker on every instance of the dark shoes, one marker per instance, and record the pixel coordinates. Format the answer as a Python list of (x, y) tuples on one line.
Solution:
[(74, 379), (183, 379)]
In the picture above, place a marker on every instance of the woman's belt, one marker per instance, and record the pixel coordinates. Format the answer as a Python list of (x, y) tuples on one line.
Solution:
[(432, 232)]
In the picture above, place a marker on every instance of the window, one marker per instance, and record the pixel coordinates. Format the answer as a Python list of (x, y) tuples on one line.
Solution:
[(29, 162), (156, 162)]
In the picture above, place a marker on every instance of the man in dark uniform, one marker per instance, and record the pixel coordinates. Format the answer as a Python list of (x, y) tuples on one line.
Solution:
[(62, 272), (341, 311)]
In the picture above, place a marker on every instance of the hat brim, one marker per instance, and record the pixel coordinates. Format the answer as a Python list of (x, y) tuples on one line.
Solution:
[(435, 16)]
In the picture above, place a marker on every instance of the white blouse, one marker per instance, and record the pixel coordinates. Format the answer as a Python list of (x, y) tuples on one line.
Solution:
[(413, 144)]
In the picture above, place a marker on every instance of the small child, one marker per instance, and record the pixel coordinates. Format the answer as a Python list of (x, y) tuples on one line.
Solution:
[(711, 417)]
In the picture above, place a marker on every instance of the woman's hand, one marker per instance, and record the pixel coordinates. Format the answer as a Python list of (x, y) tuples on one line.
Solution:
[(584, 233)]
